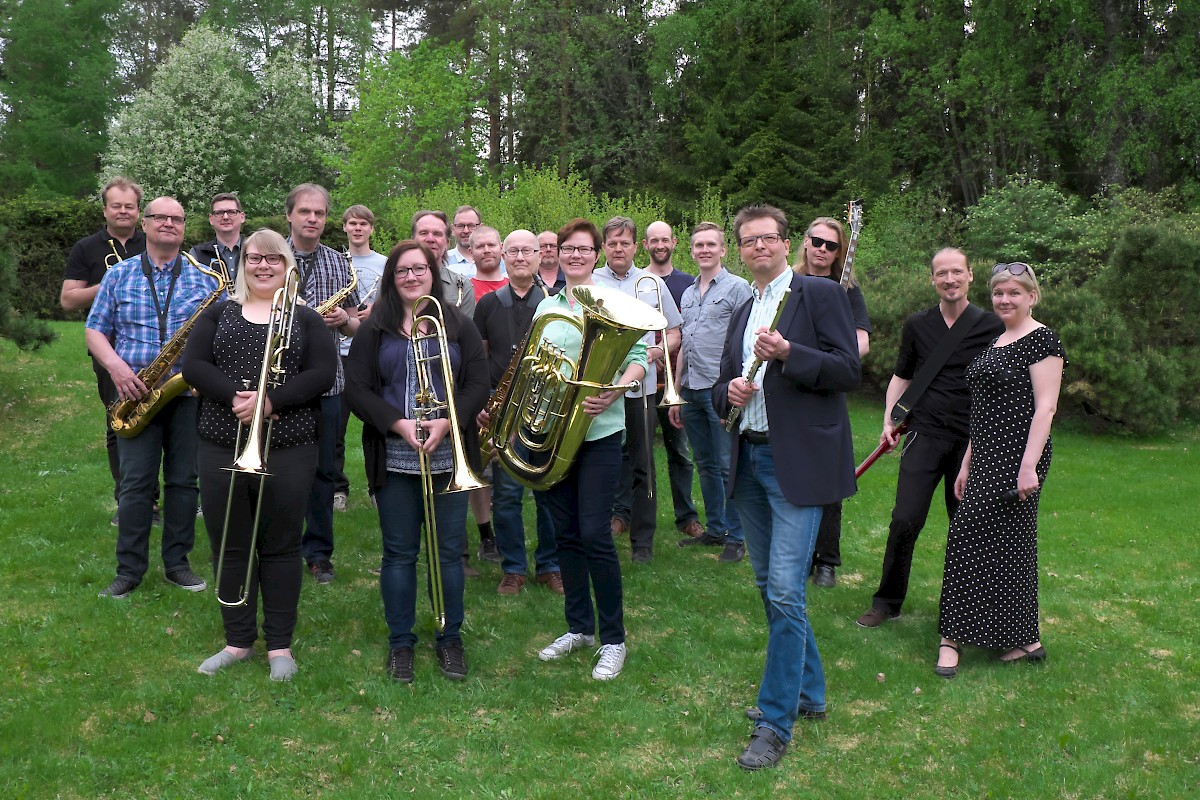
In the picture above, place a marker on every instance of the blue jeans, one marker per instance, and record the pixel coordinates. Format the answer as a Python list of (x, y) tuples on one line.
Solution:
[(507, 498), (317, 542), (679, 467), (401, 518), (710, 449), (780, 539), (169, 439), (581, 505)]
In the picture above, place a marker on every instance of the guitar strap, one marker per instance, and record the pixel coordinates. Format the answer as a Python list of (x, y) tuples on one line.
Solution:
[(941, 354)]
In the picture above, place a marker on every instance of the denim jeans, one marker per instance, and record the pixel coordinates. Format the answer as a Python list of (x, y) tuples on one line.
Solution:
[(710, 449), (507, 498), (679, 467), (169, 439), (317, 542), (581, 505), (780, 538), (401, 518)]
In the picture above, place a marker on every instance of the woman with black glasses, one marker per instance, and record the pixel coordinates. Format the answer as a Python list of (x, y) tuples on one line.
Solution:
[(990, 584)]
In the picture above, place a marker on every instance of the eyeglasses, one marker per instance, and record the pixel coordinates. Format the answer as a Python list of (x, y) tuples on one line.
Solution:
[(548, 246), (1015, 268), (513, 252), (571, 249), (163, 219), (765, 238), (829, 244), (417, 270), (274, 259), (225, 212), (465, 226)]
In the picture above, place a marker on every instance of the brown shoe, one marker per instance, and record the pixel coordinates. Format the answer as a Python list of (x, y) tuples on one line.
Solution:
[(619, 526), (468, 570), (552, 581), (511, 583), (693, 529)]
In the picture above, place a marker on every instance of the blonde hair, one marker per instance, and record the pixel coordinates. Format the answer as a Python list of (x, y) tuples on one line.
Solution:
[(839, 260), (267, 242), (1025, 278)]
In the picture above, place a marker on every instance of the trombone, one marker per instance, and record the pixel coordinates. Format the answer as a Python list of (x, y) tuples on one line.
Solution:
[(671, 395), (427, 406), (252, 461)]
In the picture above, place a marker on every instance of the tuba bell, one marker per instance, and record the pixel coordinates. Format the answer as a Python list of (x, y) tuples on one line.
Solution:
[(537, 422)]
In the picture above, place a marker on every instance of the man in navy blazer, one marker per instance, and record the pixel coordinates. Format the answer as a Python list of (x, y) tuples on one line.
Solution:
[(791, 455)]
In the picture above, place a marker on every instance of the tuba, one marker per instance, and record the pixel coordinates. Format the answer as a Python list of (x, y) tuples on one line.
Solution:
[(128, 418), (537, 422)]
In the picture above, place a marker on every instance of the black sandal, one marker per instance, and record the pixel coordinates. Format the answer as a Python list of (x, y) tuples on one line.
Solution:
[(1032, 656), (947, 672)]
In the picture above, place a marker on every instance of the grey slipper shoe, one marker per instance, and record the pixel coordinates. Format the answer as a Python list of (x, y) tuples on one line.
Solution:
[(282, 668), (215, 663)]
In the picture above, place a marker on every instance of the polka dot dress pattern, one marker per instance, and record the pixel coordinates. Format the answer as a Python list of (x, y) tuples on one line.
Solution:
[(990, 585)]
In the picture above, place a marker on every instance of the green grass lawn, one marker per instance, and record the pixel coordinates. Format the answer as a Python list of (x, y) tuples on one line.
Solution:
[(101, 698)]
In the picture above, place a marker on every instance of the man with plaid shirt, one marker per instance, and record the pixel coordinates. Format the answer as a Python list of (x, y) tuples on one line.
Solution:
[(323, 273)]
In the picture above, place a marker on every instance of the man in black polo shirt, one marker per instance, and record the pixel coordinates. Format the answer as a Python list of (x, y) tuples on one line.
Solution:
[(937, 426), (226, 218), (503, 318), (90, 258)]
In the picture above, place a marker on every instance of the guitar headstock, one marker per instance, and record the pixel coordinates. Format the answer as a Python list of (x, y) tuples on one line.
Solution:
[(854, 210)]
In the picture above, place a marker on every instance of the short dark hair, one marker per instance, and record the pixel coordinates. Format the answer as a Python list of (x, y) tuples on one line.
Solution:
[(120, 182), (472, 209), (358, 211), (759, 211), (217, 198), (388, 312), (575, 226), (307, 188)]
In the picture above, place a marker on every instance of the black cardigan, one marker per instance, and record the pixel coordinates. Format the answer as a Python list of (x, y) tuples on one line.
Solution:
[(364, 389)]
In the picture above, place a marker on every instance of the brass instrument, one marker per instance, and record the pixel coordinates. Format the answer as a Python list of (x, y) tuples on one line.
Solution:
[(538, 422), (254, 453), (116, 257), (426, 406), (735, 412), (339, 297), (671, 395), (128, 418)]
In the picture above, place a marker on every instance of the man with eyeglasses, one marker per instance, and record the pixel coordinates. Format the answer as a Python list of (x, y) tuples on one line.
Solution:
[(636, 505), (503, 318), (142, 302), (707, 306), (549, 274), (90, 258), (459, 258), (226, 217), (823, 255), (358, 223), (432, 229), (323, 273), (937, 418), (791, 455)]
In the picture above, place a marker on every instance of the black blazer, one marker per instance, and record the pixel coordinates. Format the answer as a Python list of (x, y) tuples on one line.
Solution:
[(806, 404), (364, 386)]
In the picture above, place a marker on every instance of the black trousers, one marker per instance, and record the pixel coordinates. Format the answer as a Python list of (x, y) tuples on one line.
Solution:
[(828, 550), (926, 460), (108, 394), (278, 570)]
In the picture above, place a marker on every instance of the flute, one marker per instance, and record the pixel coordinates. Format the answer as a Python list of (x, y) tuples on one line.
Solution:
[(734, 413)]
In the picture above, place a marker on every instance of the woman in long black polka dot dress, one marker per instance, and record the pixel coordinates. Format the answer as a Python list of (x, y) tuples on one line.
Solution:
[(222, 361), (990, 585)]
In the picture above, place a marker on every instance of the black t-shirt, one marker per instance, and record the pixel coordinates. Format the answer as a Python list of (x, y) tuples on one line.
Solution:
[(91, 256), (944, 410), (677, 283), (503, 328), (858, 306)]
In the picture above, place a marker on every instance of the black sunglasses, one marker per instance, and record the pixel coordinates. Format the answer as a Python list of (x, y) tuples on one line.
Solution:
[(829, 244), (1015, 268)]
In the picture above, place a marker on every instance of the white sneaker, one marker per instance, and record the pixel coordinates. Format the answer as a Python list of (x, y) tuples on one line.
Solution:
[(339, 502), (565, 644), (610, 662)]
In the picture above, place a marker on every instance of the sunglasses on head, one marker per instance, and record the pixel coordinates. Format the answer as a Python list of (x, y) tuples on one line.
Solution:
[(1015, 268), (829, 244)]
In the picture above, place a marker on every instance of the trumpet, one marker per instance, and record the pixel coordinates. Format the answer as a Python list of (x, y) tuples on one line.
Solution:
[(734, 413), (427, 406), (252, 461), (115, 256)]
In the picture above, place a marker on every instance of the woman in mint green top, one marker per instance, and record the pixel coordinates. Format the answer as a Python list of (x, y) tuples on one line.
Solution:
[(581, 504)]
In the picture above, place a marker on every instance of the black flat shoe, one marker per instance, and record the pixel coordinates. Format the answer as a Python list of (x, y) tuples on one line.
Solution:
[(765, 750), (1032, 656), (948, 672)]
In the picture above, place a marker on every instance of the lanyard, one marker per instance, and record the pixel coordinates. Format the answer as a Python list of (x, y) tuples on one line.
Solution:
[(160, 309)]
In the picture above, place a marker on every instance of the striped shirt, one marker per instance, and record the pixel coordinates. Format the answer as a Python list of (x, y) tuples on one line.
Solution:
[(323, 274), (124, 310), (762, 314)]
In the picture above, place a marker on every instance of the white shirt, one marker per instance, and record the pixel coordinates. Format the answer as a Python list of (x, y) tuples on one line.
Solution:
[(762, 314)]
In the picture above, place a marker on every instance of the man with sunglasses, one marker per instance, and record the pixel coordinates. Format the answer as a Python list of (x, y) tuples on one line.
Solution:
[(937, 423), (823, 255), (226, 217)]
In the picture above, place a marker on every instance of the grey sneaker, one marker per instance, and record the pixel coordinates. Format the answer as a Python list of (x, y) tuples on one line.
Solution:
[(282, 668), (184, 578), (565, 644), (339, 501), (119, 589), (610, 661)]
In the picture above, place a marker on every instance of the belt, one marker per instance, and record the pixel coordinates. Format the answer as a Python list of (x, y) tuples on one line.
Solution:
[(755, 437)]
